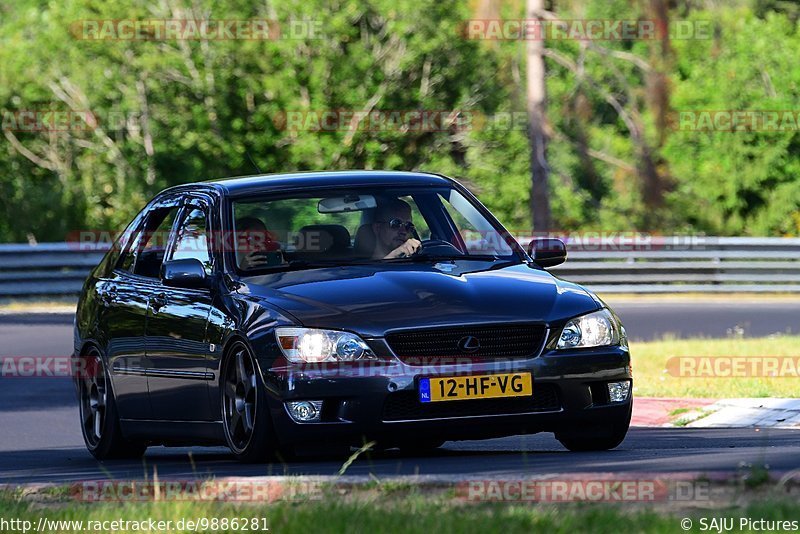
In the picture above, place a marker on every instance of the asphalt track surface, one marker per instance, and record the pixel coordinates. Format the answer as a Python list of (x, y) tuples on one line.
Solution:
[(40, 439)]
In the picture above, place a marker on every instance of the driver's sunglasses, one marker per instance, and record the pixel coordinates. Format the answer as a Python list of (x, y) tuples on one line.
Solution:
[(396, 224)]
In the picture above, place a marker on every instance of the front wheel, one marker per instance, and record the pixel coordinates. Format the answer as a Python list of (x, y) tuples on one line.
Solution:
[(245, 415), (100, 424), (600, 437)]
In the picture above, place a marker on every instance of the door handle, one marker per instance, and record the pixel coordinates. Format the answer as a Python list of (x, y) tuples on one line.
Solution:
[(158, 301)]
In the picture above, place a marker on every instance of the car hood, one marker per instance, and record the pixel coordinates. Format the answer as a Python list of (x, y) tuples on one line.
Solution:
[(373, 299)]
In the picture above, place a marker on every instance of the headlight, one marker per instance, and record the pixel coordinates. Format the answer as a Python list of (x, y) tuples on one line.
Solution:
[(312, 345), (595, 329)]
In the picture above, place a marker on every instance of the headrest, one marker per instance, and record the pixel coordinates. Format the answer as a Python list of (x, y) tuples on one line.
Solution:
[(365, 240), (321, 238)]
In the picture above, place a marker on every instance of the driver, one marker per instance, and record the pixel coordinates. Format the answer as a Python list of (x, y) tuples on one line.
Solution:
[(257, 246), (394, 230)]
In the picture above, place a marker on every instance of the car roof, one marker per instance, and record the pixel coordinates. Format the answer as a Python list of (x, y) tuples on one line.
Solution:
[(265, 183)]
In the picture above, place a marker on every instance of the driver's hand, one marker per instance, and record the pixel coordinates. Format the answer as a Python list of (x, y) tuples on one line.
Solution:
[(253, 260), (408, 248)]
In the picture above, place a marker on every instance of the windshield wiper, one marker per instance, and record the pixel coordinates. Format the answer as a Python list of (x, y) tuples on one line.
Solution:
[(299, 265), (496, 262), (422, 257)]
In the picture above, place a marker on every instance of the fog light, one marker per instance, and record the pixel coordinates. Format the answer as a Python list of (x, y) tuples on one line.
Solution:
[(618, 391), (305, 411)]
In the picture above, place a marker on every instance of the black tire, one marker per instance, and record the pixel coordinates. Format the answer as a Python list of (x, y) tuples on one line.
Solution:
[(245, 414), (100, 425), (601, 437)]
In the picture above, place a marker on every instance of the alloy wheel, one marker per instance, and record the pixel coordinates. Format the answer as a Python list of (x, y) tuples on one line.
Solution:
[(239, 398), (94, 398)]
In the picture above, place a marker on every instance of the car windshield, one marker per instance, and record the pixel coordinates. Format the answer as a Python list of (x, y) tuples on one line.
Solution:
[(364, 225)]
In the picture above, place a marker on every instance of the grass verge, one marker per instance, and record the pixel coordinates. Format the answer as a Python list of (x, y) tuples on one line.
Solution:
[(401, 513), (653, 379)]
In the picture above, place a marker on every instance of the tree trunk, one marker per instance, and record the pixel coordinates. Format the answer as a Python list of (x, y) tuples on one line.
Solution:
[(537, 106)]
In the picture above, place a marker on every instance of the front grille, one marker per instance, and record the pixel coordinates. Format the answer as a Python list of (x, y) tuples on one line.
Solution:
[(502, 341), (405, 405)]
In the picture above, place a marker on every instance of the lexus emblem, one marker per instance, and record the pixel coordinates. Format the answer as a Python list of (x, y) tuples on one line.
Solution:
[(469, 344)]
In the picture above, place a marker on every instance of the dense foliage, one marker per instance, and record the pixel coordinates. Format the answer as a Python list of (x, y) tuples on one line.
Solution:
[(174, 111)]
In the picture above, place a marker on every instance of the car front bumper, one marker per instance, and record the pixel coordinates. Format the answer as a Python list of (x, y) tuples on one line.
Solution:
[(380, 401)]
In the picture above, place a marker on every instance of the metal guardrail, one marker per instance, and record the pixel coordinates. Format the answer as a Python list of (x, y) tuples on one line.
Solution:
[(685, 265), (657, 265), (46, 269)]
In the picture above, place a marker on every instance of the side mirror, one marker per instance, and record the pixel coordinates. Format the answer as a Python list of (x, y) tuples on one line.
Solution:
[(547, 251), (186, 273)]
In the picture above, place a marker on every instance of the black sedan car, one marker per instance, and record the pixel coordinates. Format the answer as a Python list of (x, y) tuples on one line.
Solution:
[(270, 313)]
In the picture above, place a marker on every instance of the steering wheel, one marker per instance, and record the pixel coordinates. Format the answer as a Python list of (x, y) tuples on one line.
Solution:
[(439, 247)]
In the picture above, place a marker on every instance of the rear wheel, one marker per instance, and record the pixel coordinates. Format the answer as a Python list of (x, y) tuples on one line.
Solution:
[(100, 423), (245, 415), (600, 437)]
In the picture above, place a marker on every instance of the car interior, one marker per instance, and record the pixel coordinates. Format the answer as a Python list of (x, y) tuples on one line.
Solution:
[(341, 227), (331, 241)]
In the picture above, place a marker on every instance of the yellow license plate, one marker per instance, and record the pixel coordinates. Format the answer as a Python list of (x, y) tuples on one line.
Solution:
[(475, 387)]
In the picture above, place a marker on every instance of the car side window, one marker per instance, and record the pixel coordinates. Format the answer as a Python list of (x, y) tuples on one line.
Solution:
[(128, 258), (151, 245), (192, 238)]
